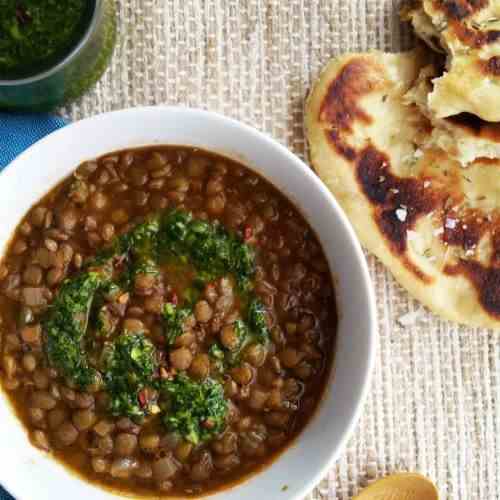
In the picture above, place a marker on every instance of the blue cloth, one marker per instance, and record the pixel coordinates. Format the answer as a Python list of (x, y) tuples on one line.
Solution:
[(18, 132), (4, 495)]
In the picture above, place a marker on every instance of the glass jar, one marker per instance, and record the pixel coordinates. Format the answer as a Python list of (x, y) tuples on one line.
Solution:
[(73, 75)]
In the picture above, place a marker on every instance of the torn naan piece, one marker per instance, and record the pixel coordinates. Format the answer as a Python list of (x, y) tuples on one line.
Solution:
[(464, 137), (435, 225), (468, 31)]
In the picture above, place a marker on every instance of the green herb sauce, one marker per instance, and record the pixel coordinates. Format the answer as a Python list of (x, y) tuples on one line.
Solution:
[(196, 410), (252, 330), (174, 319), (65, 327), (128, 365), (36, 34)]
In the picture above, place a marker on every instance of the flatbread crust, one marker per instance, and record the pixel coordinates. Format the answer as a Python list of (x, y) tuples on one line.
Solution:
[(464, 137), (468, 31), (435, 225)]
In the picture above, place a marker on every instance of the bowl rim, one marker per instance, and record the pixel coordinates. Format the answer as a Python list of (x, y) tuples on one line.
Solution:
[(365, 286)]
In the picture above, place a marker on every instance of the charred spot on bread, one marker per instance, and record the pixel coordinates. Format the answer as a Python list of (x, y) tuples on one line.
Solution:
[(491, 66), (398, 202), (460, 9), (474, 37), (486, 282), (475, 126), (340, 106)]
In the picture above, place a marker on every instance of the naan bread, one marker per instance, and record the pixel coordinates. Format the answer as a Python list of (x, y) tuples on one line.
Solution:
[(469, 32), (422, 24), (432, 223), (464, 137)]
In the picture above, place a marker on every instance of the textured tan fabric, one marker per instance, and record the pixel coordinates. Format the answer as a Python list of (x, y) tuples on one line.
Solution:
[(434, 406)]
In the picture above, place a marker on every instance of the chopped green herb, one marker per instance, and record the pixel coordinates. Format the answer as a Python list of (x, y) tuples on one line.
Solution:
[(210, 248), (197, 410), (101, 320), (146, 265), (257, 320), (129, 365), (105, 323), (142, 236), (241, 330), (253, 330), (174, 321), (174, 231), (216, 351), (193, 293), (142, 246), (207, 246), (245, 337), (140, 242), (34, 34), (218, 355), (66, 324)]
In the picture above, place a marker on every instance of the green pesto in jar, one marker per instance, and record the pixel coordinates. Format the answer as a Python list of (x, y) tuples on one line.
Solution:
[(36, 34)]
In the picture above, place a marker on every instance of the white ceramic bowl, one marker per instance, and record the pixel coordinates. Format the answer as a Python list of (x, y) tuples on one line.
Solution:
[(29, 474)]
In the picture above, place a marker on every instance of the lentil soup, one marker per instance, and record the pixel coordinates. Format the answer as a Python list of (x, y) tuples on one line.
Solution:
[(167, 322)]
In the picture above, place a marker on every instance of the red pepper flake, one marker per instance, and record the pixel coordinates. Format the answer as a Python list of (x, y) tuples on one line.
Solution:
[(248, 233), (143, 398), (208, 424), (174, 299)]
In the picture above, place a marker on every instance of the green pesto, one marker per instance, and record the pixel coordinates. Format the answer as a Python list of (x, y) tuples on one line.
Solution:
[(138, 248), (212, 250), (174, 321), (245, 338), (257, 322), (141, 245), (192, 294), (208, 247), (104, 324), (129, 365), (196, 410), (139, 242), (65, 326), (36, 34), (218, 357), (253, 330), (101, 319)]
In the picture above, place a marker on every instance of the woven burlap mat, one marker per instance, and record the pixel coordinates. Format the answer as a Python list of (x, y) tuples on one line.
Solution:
[(434, 405)]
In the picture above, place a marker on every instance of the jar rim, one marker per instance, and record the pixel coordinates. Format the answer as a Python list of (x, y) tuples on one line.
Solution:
[(65, 60)]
